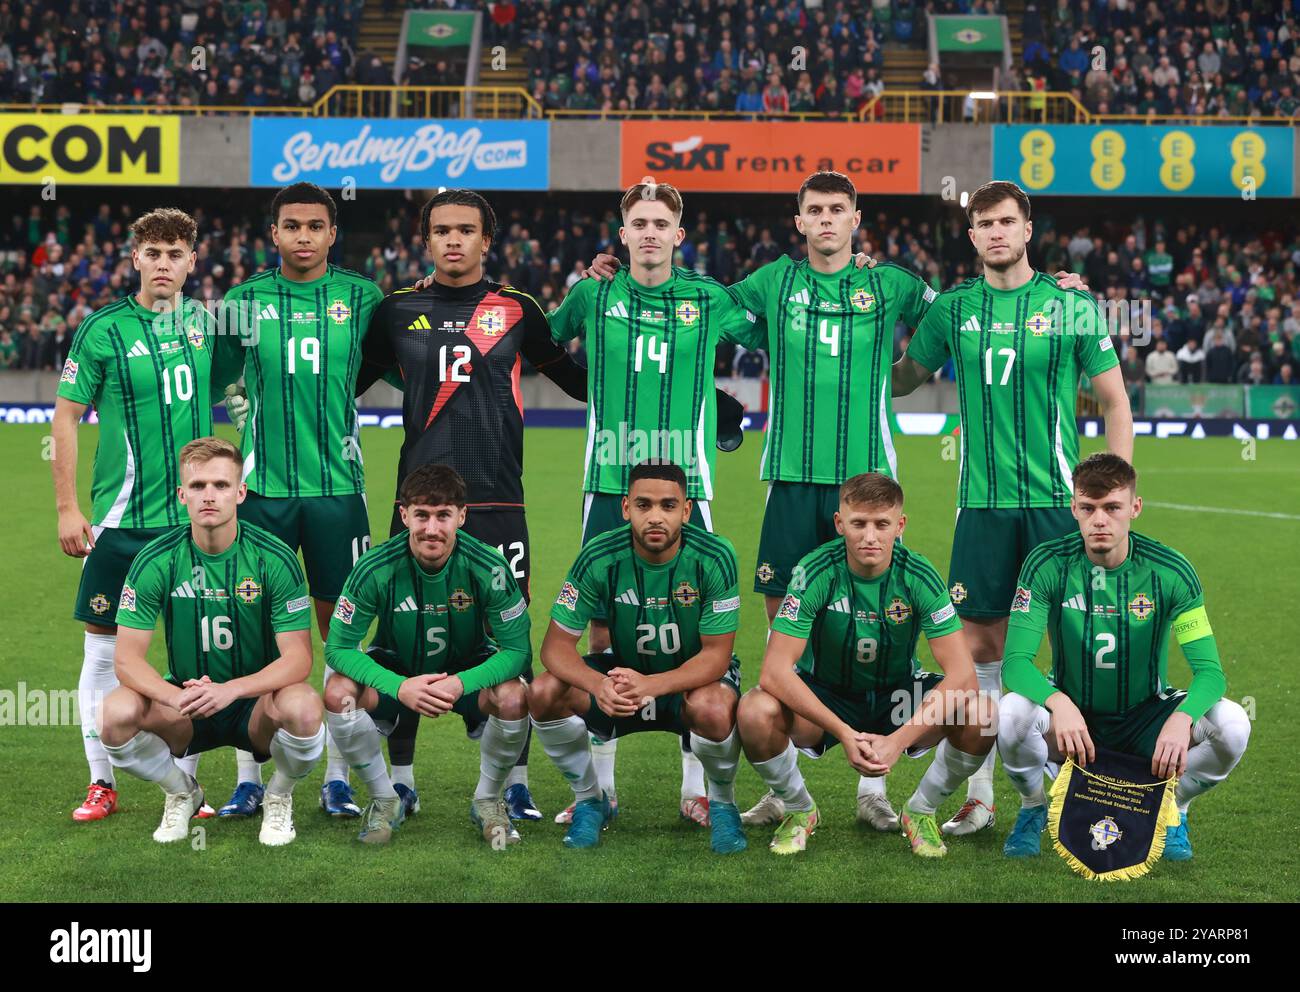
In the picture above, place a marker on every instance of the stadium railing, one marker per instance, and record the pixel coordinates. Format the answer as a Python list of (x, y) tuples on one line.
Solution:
[(1019, 107)]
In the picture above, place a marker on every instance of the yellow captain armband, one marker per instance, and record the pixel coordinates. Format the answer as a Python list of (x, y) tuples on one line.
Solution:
[(1192, 625)]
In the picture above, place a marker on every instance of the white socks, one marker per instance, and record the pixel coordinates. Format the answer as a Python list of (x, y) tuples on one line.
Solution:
[(499, 749), (947, 771), (989, 675), (97, 680), (518, 775), (404, 775), (1218, 742), (336, 763), (147, 756), (719, 759), (693, 774), (783, 777), (295, 757), (357, 738), (1022, 742), (189, 765), (247, 767), (603, 754), (565, 743), (871, 785)]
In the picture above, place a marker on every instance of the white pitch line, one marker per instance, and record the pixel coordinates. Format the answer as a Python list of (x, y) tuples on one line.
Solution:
[(1222, 509)]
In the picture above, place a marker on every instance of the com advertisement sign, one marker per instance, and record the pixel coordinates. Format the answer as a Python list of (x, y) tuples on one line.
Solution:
[(90, 149)]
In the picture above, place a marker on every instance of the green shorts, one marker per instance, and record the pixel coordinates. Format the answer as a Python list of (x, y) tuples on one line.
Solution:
[(663, 713), (228, 728), (880, 712), (1134, 732), (103, 571), (393, 718), (603, 512), (988, 548), (333, 532), (799, 517)]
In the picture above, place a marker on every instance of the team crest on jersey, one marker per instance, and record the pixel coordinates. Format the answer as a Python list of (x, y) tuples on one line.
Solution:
[(789, 608), (127, 599), (339, 312), (862, 300), (195, 335), (461, 600), (69, 372), (568, 596), (687, 312), (764, 572), (957, 592), (898, 611), (344, 609), (492, 322), (1141, 606), (1039, 324), (248, 591), (686, 594), (1023, 597)]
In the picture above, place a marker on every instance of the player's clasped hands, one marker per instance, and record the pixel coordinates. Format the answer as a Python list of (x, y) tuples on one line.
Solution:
[(861, 753), (202, 697), (615, 699), (425, 694)]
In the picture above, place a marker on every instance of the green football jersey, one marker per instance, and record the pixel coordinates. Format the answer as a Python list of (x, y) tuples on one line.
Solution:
[(861, 633), (1018, 355), (150, 379), (650, 358), (300, 367), (468, 618), (1108, 628), (656, 613), (220, 612), (830, 338)]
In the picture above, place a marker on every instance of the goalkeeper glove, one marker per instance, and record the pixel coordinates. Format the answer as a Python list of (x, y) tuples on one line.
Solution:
[(730, 415), (237, 406)]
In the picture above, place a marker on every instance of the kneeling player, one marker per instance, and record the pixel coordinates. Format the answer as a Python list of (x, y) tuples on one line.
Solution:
[(455, 629), (232, 598), (668, 589), (1109, 597), (840, 668)]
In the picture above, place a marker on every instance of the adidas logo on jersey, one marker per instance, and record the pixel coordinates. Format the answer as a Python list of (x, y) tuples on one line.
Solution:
[(628, 598), (1076, 602), (972, 324), (137, 350), (420, 323), (184, 591), (617, 310), (269, 313), (406, 606), (803, 296), (841, 605)]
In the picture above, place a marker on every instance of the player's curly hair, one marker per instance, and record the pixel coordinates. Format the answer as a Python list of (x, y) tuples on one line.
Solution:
[(460, 198), (871, 489), (1102, 473), (205, 449), (164, 226), (433, 485), (993, 193)]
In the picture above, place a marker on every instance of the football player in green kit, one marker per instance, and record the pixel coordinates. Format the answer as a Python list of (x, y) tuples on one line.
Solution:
[(302, 325), (841, 668), (669, 590), (236, 615), (454, 631), (1109, 598), (1019, 341)]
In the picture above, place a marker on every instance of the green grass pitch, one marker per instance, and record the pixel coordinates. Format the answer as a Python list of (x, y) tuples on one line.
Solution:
[(1244, 833)]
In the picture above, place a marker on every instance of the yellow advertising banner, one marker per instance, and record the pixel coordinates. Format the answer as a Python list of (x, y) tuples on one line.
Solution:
[(90, 149)]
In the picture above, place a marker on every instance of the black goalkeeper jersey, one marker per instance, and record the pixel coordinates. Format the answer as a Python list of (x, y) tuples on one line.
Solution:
[(458, 351)]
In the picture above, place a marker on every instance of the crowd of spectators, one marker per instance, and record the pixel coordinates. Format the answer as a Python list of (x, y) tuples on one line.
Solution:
[(1223, 302), (199, 53)]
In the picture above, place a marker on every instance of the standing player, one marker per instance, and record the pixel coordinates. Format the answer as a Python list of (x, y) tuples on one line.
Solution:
[(454, 631), (1019, 343), (302, 456), (458, 345), (651, 334), (669, 591), (841, 668), (1108, 599), (145, 363), (235, 614)]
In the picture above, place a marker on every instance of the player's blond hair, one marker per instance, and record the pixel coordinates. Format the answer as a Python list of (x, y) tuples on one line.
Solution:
[(871, 489), (205, 449), (165, 225), (665, 193)]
